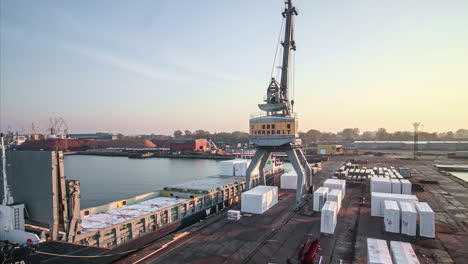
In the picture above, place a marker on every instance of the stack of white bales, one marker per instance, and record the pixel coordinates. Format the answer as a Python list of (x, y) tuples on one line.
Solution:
[(234, 215), (392, 217), (377, 252), (396, 186), (381, 185), (335, 195), (236, 167), (336, 184), (426, 220), (405, 186), (320, 197), (328, 217), (289, 180), (259, 199), (377, 201), (403, 253), (408, 218)]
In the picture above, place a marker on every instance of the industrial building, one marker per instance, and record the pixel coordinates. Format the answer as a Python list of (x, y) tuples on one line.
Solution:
[(329, 149), (409, 145), (198, 145), (93, 136)]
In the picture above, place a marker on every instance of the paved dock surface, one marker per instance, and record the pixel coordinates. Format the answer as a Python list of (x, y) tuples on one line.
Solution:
[(278, 235)]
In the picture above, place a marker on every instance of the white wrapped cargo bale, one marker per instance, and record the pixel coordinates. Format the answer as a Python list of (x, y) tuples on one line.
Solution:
[(289, 180), (403, 253), (335, 195), (377, 252), (396, 186), (233, 215), (405, 186), (328, 218), (259, 199), (392, 217), (336, 184), (320, 197), (240, 167), (426, 220), (377, 201), (408, 218), (226, 167), (382, 185)]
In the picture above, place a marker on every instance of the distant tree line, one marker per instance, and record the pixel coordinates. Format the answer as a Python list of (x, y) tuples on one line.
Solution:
[(346, 135), (352, 134)]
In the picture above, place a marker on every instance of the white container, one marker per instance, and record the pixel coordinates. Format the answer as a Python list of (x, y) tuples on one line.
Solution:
[(259, 199), (403, 253), (320, 197), (392, 217), (396, 186), (405, 186), (377, 252), (377, 201), (240, 167), (226, 167), (335, 196), (328, 218), (382, 185), (408, 218), (336, 184), (426, 220), (234, 215), (289, 180)]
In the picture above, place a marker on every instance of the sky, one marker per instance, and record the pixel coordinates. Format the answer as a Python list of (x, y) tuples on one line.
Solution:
[(137, 67)]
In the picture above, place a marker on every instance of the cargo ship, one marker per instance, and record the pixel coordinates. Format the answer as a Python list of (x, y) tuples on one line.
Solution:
[(114, 228)]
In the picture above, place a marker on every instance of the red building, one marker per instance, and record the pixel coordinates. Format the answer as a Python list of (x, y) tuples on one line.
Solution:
[(197, 145)]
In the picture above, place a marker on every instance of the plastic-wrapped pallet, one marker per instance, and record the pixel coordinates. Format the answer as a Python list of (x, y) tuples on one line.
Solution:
[(403, 253), (233, 215), (396, 186), (377, 201), (259, 199), (328, 218), (382, 185), (336, 184), (426, 220), (289, 180), (240, 167), (377, 252), (408, 218), (226, 167), (335, 196), (392, 217), (320, 197), (405, 186)]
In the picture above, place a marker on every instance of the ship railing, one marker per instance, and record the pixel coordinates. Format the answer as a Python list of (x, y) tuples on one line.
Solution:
[(263, 114)]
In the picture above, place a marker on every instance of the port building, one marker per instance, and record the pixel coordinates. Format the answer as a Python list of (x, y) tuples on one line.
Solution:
[(409, 145)]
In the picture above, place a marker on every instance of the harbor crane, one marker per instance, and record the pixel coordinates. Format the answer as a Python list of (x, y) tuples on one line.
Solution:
[(276, 128)]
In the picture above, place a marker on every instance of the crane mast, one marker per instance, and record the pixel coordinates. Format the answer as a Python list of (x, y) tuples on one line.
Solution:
[(288, 45)]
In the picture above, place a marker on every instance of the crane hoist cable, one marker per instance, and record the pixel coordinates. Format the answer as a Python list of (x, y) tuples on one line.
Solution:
[(277, 47)]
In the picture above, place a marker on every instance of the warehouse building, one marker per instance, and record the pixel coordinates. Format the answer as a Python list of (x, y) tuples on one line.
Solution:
[(409, 145)]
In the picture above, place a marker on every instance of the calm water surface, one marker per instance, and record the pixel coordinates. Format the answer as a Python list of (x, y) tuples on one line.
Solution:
[(106, 179)]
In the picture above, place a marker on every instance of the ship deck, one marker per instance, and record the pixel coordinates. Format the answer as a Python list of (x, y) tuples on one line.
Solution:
[(278, 235), (119, 215), (206, 184)]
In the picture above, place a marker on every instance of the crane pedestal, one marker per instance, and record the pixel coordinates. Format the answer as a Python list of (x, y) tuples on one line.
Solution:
[(255, 174)]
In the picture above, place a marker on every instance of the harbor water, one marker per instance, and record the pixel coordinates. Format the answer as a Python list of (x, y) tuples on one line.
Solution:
[(106, 179)]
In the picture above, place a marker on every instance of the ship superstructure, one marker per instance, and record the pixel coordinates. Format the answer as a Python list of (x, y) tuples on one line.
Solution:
[(276, 128)]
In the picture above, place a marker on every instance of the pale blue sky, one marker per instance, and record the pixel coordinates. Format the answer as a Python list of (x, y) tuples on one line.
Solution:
[(156, 66)]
